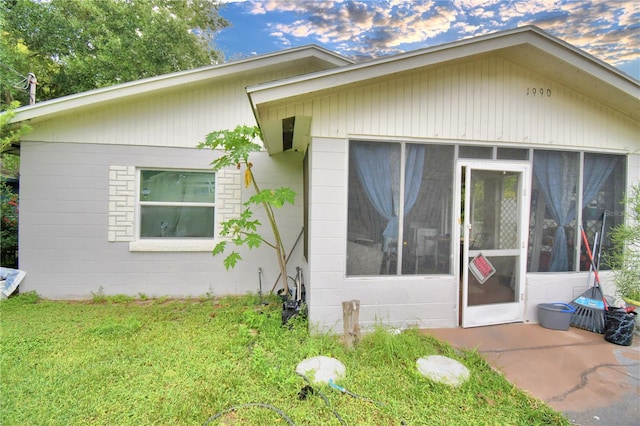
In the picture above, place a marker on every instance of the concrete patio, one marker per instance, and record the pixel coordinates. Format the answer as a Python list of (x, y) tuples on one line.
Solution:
[(577, 372)]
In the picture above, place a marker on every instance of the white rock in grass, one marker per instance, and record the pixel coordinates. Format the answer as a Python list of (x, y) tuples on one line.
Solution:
[(322, 369), (443, 370)]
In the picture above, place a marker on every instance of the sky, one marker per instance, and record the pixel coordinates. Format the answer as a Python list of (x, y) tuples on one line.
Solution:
[(365, 29)]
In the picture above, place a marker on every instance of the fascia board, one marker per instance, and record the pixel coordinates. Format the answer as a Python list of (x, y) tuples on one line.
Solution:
[(587, 63), (168, 81)]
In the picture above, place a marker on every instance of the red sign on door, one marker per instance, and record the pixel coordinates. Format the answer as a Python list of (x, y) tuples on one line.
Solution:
[(481, 268)]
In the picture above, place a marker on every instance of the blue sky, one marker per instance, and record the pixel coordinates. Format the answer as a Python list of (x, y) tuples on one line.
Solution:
[(365, 29)]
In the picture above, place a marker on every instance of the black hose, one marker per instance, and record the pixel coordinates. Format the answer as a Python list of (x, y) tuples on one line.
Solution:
[(253, 404), (326, 400), (308, 389)]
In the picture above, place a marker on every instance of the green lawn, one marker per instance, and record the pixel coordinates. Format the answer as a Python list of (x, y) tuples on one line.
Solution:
[(118, 361)]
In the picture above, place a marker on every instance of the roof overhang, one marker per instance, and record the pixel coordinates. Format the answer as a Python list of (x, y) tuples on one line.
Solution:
[(288, 134), (310, 54), (528, 46)]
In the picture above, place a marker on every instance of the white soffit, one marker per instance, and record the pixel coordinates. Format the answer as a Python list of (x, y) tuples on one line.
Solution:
[(273, 134)]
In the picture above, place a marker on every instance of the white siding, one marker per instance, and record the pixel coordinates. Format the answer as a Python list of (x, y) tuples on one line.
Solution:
[(179, 118), (64, 222), (176, 119), (485, 100)]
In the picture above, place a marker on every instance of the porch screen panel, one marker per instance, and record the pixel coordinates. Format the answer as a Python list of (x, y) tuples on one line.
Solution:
[(377, 178), (427, 224), (554, 235), (373, 208), (553, 211), (477, 152), (603, 191)]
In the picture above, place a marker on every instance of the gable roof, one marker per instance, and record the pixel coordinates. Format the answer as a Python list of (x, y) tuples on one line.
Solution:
[(310, 54), (527, 46)]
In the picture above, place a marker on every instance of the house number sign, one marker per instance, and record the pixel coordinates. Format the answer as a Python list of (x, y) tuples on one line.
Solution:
[(538, 91)]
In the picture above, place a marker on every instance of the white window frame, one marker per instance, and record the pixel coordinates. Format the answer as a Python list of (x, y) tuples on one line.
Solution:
[(172, 244)]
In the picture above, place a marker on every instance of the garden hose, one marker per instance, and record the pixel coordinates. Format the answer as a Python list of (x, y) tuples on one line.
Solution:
[(310, 389), (255, 404), (341, 389), (354, 395), (306, 390)]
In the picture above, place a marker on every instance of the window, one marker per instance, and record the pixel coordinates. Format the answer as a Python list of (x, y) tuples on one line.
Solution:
[(176, 204), (389, 181), (558, 207)]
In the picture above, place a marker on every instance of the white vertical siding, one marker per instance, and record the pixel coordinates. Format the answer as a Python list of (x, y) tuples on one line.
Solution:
[(180, 117), (489, 99)]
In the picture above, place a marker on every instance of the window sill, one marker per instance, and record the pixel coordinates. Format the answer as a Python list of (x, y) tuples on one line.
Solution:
[(172, 245)]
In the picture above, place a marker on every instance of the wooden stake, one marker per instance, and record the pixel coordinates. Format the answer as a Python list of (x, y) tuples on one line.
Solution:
[(350, 314)]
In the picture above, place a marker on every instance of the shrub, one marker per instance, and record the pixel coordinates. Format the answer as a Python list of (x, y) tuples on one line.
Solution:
[(8, 226)]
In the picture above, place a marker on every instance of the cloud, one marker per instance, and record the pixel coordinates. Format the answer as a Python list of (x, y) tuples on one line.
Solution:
[(609, 30), (375, 28), (419, 29), (257, 9), (606, 30)]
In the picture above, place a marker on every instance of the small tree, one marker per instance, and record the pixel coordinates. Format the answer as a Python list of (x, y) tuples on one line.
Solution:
[(237, 145), (624, 260)]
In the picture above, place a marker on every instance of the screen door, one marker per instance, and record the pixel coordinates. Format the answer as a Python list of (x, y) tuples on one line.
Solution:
[(493, 242)]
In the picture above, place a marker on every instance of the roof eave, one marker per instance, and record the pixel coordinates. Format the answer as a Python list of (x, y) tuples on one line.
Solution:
[(273, 91), (95, 97)]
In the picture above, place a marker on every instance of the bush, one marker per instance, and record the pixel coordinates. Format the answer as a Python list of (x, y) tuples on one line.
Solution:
[(9, 226), (625, 258)]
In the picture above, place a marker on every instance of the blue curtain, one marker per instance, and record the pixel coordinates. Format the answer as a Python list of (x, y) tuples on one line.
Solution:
[(414, 165), (597, 169), (378, 168), (373, 167), (557, 177)]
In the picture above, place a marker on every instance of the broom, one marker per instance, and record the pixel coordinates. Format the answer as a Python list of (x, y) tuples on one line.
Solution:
[(590, 306)]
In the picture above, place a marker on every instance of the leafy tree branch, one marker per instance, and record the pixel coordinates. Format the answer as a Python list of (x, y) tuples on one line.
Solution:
[(237, 145), (624, 259), (10, 132), (77, 45)]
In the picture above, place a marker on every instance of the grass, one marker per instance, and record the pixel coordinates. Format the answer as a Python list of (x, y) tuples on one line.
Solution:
[(116, 360)]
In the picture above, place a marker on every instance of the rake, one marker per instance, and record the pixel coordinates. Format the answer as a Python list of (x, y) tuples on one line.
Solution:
[(590, 306)]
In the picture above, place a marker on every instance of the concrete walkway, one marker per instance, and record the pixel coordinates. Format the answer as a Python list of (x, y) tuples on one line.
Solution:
[(577, 372)]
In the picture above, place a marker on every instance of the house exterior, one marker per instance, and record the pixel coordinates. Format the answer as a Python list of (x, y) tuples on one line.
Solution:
[(444, 187), (87, 223)]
